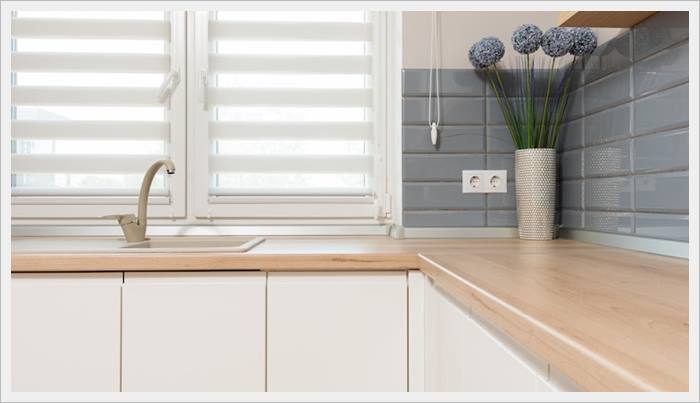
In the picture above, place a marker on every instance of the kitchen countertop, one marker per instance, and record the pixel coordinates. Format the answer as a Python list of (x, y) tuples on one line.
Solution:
[(609, 319)]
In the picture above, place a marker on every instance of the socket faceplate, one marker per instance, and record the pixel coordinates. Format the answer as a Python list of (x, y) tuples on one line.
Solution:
[(484, 181)]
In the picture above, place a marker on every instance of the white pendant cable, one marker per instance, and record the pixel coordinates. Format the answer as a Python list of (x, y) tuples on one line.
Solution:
[(434, 67)]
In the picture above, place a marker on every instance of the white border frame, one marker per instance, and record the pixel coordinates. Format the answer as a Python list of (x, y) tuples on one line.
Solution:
[(27, 209)]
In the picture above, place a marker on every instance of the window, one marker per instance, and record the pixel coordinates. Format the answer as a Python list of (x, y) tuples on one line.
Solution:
[(292, 105), (91, 111), (266, 114)]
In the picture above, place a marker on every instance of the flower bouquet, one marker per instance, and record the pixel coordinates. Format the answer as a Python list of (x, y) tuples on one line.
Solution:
[(534, 121)]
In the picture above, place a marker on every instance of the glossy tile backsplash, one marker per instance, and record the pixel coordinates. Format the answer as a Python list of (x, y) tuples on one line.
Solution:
[(624, 150), (472, 136)]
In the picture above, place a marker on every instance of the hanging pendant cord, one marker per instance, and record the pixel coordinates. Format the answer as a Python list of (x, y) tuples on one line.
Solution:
[(434, 69)]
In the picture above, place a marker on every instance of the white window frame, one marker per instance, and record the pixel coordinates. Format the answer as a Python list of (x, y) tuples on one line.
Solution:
[(173, 205), (251, 208)]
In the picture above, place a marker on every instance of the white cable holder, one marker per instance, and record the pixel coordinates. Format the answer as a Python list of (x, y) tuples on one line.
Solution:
[(434, 125), (168, 87)]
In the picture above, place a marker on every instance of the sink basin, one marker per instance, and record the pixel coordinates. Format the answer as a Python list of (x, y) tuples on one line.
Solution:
[(195, 244)]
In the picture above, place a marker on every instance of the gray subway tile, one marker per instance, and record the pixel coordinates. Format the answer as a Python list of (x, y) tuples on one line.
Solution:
[(453, 82), (574, 108), (464, 139), (494, 111), (499, 140), (659, 31), (571, 164), (609, 57), (661, 111), (612, 194), (439, 166), (608, 221), (440, 196), (571, 194), (664, 226), (501, 218), (662, 70), (662, 192), (609, 124), (570, 135), (609, 90), (454, 111), (505, 161), (502, 200), (444, 218), (661, 151), (572, 219), (608, 159)]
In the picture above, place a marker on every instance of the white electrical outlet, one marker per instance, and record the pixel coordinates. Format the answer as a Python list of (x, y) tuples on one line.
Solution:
[(484, 181)]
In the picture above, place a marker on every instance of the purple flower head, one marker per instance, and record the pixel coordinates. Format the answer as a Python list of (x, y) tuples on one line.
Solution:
[(585, 41), (557, 41), (526, 39), (486, 52)]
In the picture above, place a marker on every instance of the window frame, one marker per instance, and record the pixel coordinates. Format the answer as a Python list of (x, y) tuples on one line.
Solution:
[(172, 205), (341, 208)]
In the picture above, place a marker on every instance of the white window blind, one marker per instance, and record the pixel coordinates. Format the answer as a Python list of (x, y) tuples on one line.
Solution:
[(292, 104), (95, 101)]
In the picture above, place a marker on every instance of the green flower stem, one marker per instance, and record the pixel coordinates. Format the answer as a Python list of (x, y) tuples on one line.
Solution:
[(561, 107), (541, 141), (507, 102), (506, 112)]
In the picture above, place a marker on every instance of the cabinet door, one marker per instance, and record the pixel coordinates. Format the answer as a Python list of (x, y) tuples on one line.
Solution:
[(464, 355), (65, 332), (337, 331), (202, 332)]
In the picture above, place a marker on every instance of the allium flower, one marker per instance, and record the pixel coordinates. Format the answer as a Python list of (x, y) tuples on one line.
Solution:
[(526, 39), (473, 59), (486, 52), (585, 41), (557, 41)]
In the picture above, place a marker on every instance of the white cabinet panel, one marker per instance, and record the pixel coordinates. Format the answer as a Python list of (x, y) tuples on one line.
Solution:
[(65, 332), (462, 355), (337, 331), (201, 332)]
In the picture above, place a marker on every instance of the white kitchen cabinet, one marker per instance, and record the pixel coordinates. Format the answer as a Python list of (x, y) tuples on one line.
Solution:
[(65, 332), (335, 331), (463, 355), (202, 332)]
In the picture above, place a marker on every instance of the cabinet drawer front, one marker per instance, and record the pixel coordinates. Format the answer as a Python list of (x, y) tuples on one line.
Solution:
[(337, 331), (197, 332), (65, 332)]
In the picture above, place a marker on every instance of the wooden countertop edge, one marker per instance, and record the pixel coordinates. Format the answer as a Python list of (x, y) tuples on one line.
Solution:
[(590, 370), (69, 262)]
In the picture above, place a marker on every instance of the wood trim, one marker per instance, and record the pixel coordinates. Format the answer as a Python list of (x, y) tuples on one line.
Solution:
[(602, 19)]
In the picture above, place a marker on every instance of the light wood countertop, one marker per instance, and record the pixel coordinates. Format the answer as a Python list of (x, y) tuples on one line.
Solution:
[(609, 319)]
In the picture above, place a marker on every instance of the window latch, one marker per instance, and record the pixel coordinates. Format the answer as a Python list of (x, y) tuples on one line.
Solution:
[(168, 87), (203, 83)]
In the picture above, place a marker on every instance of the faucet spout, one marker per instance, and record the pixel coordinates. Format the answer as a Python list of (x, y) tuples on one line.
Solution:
[(134, 228)]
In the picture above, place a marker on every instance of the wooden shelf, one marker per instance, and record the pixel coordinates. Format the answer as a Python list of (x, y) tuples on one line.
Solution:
[(602, 19)]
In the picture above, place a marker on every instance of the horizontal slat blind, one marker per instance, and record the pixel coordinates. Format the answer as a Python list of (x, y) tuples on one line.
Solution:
[(291, 108), (86, 115), (91, 63), (296, 64), (89, 29), (290, 31)]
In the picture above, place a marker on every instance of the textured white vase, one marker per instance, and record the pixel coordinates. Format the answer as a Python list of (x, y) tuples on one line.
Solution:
[(535, 192)]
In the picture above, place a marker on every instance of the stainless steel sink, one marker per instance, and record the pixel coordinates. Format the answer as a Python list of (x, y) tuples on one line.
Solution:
[(195, 244)]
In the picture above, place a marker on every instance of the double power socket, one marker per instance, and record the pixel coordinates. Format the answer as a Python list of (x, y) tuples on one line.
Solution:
[(484, 181)]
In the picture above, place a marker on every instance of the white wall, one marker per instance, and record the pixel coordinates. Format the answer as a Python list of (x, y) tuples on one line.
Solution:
[(460, 29)]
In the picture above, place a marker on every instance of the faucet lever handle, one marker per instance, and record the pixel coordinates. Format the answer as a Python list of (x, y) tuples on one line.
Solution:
[(123, 219)]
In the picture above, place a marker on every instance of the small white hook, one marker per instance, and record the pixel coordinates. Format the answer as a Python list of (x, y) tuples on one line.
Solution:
[(433, 133)]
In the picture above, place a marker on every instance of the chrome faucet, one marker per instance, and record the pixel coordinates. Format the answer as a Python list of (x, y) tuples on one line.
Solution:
[(134, 228)]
